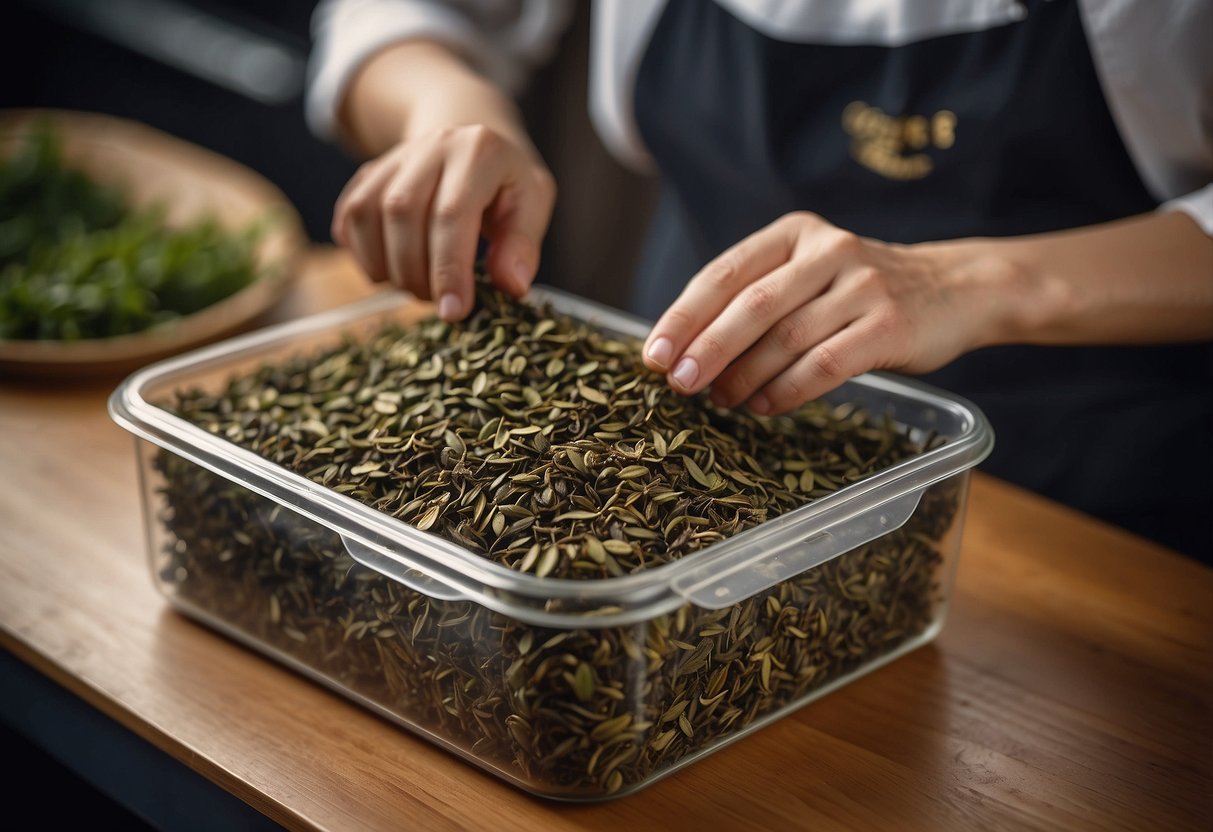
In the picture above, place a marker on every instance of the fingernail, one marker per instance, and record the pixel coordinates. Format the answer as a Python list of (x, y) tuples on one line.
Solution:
[(521, 273), (760, 404), (661, 351), (686, 372), (449, 306)]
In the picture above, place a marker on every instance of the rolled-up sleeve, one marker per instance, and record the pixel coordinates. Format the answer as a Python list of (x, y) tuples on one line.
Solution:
[(1198, 205), (502, 40)]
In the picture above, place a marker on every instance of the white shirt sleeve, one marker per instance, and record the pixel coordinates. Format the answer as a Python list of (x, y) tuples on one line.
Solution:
[(1198, 205), (502, 39), (1156, 67)]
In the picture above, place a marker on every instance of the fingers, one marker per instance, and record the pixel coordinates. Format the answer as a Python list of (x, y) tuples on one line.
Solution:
[(406, 204), (795, 310), (784, 344), (356, 222), (470, 182), (754, 311), (515, 227), (854, 328), (707, 295), (453, 234), (745, 309), (341, 208), (415, 215), (854, 350)]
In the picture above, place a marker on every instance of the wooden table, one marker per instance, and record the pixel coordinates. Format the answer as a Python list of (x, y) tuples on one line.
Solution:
[(1072, 687)]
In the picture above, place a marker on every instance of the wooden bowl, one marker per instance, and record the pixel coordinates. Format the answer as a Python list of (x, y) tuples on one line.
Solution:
[(189, 183)]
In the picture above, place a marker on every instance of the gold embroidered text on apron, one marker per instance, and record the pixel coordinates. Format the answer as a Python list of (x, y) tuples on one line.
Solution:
[(893, 146)]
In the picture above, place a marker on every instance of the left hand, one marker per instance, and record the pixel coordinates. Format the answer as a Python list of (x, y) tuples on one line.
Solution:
[(800, 306)]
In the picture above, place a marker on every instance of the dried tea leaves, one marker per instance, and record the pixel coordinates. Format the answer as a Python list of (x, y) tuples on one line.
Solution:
[(520, 428)]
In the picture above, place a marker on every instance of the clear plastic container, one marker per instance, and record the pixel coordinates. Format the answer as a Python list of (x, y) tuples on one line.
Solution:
[(572, 689)]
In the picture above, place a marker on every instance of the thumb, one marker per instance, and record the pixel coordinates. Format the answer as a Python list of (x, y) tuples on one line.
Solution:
[(515, 229)]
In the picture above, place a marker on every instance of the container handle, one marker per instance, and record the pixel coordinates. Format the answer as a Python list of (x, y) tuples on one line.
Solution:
[(390, 566), (714, 588)]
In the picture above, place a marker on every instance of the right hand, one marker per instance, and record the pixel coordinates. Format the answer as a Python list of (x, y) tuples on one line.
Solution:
[(415, 215)]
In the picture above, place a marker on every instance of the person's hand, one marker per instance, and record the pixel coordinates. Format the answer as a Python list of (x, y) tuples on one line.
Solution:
[(799, 307), (415, 214)]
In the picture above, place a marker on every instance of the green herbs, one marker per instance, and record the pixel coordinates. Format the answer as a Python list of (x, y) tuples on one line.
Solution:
[(76, 261)]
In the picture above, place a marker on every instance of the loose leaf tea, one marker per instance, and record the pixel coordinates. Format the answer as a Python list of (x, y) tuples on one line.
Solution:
[(539, 442), (542, 444)]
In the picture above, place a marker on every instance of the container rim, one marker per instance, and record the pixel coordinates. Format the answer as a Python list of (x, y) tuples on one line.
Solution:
[(405, 553)]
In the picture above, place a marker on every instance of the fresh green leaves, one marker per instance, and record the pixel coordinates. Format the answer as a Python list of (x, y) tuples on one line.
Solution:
[(76, 261)]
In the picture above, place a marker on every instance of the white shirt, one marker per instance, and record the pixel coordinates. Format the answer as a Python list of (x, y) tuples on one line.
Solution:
[(1154, 60)]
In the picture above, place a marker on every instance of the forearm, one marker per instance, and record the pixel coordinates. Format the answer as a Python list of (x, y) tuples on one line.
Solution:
[(417, 87), (1146, 279)]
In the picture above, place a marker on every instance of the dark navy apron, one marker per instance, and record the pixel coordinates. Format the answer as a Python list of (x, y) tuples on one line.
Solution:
[(992, 133)]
